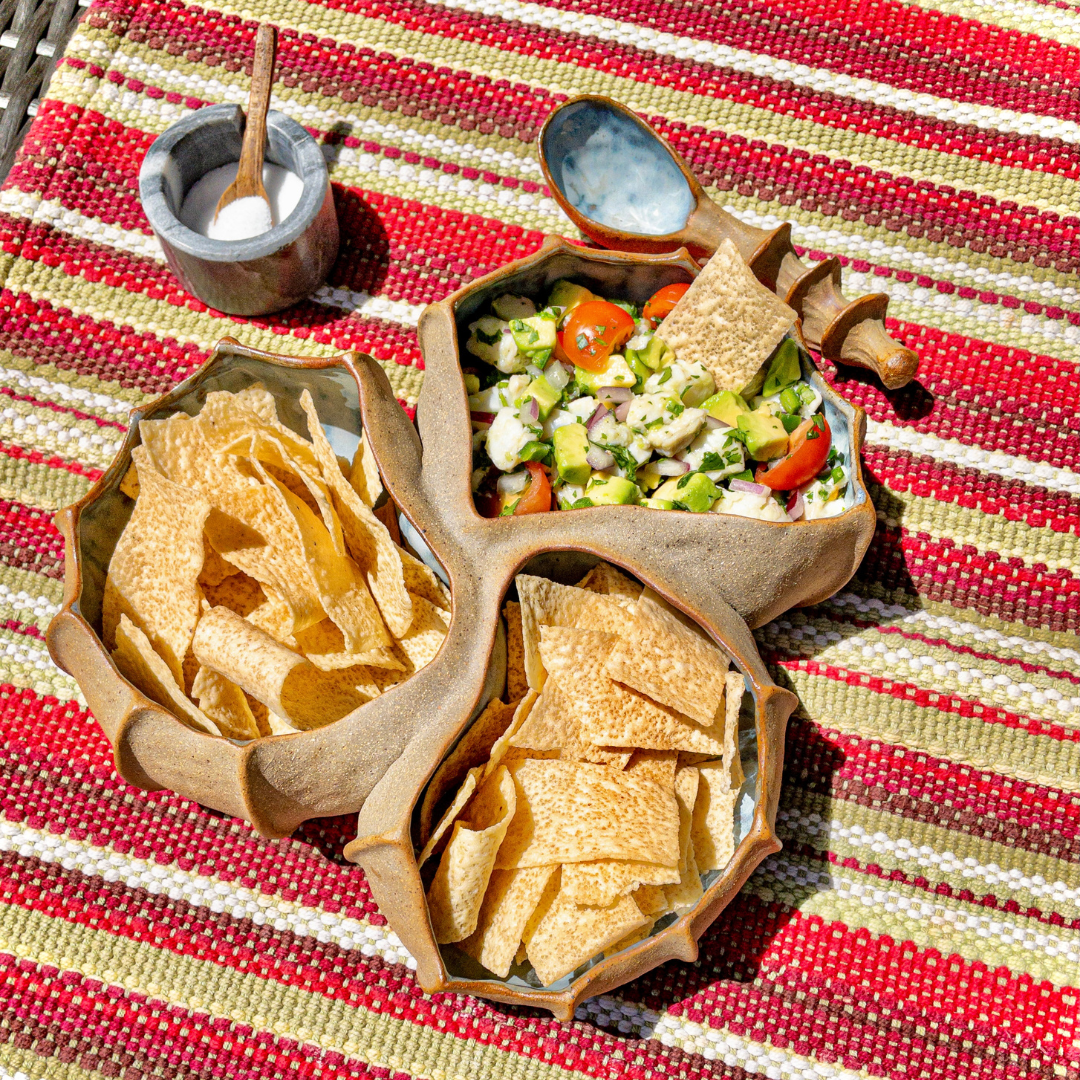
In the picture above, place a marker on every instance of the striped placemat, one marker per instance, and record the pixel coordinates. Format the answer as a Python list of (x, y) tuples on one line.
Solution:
[(922, 920)]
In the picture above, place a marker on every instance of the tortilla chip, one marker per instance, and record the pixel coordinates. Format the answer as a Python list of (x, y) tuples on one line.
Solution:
[(546, 603), (241, 593), (502, 743), (153, 572), (284, 681), (651, 899), (256, 531), (658, 656), (682, 897), (553, 725), (713, 829), (140, 665), (472, 749), (367, 538), (225, 703), (421, 580), (611, 714), (655, 765), (640, 934), (601, 883), (425, 635), (324, 645), (214, 569), (452, 813), (129, 486), (735, 688), (516, 682), (727, 320), (457, 890), (609, 581), (511, 898), (226, 416), (567, 934), (363, 473), (571, 811)]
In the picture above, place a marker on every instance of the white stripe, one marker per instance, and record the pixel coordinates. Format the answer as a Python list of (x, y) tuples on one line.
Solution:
[(22, 603), (921, 908), (72, 395), (987, 117), (873, 250), (944, 864), (896, 661), (52, 437), (897, 615), (1010, 466)]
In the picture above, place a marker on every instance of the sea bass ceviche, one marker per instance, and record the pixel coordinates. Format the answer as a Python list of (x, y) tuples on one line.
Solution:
[(584, 401)]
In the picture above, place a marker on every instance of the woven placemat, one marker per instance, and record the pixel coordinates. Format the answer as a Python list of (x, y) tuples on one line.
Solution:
[(923, 920)]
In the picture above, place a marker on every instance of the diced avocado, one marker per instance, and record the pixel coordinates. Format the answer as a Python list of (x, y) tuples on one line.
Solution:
[(567, 295), (726, 406), (656, 354), (571, 445), (753, 387), (790, 400), (696, 492), (532, 335), (765, 435), (637, 366), (784, 370), (472, 384), (508, 306), (611, 489), (658, 504), (616, 373), (547, 397), (648, 476), (667, 491)]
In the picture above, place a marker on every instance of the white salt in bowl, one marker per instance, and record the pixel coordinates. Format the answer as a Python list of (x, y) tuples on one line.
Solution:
[(241, 277)]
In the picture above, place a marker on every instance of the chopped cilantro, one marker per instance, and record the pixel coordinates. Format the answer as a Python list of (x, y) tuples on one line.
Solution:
[(676, 408), (655, 423), (487, 339), (746, 475), (580, 504), (665, 375), (711, 461), (507, 511), (625, 460), (534, 451), (582, 342), (684, 480)]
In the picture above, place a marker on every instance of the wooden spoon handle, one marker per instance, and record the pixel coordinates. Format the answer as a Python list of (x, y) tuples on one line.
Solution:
[(253, 148), (844, 331)]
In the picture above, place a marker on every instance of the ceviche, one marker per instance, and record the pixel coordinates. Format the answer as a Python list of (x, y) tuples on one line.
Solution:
[(582, 400)]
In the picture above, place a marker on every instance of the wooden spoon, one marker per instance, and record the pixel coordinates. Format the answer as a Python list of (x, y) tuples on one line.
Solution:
[(249, 180), (632, 191)]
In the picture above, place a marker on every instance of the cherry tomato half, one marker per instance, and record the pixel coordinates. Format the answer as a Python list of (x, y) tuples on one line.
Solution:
[(662, 301), (537, 496), (593, 332), (808, 449)]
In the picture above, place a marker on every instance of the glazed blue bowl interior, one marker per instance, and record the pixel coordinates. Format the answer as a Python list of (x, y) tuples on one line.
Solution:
[(615, 171)]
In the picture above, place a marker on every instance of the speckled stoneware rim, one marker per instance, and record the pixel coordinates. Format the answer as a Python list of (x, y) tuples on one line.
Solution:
[(287, 144), (726, 573)]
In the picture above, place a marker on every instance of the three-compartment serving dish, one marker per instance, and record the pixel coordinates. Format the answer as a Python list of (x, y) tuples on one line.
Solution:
[(729, 574)]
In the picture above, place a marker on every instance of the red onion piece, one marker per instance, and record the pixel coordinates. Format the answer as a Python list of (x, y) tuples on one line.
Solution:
[(796, 508), (712, 423), (745, 485), (530, 410), (610, 395), (599, 459), (598, 414), (623, 410), (483, 417), (672, 467)]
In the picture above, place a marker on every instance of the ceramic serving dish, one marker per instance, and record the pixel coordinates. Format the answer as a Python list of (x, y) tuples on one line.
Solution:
[(279, 781), (728, 573)]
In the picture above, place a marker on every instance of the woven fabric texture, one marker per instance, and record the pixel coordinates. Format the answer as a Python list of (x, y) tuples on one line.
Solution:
[(923, 919)]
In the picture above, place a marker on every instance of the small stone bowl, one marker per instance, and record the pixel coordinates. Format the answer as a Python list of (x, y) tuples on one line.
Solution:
[(241, 277)]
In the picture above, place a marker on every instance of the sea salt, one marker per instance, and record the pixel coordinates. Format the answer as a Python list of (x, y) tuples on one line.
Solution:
[(244, 218)]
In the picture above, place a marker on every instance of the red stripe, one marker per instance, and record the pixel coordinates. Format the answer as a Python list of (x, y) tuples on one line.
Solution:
[(913, 784), (1016, 500), (54, 461), (335, 974), (940, 570), (931, 699), (29, 540)]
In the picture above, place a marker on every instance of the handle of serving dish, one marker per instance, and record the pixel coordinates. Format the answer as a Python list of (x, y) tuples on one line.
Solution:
[(846, 331)]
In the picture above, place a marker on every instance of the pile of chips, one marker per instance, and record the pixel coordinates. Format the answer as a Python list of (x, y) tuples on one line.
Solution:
[(589, 805), (254, 590)]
